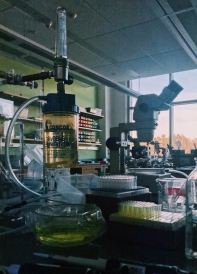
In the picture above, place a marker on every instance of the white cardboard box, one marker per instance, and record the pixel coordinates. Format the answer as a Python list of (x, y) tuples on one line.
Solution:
[(7, 107)]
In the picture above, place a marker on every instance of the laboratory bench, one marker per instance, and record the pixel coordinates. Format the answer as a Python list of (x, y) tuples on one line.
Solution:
[(19, 249), (131, 243)]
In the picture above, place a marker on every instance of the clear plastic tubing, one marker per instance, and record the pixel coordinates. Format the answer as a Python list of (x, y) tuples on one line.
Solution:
[(61, 40), (7, 143)]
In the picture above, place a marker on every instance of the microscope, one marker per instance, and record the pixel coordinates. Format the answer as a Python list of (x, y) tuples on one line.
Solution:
[(146, 112)]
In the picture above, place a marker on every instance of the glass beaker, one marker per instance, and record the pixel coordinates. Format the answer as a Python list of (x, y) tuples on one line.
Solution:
[(67, 224), (171, 194)]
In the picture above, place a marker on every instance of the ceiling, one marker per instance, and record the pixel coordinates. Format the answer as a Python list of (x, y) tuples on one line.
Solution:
[(109, 41)]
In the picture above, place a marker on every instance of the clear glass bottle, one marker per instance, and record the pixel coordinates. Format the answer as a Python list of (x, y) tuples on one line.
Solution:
[(191, 215)]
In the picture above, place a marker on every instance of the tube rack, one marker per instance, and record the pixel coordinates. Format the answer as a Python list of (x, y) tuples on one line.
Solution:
[(118, 182), (138, 209), (147, 214)]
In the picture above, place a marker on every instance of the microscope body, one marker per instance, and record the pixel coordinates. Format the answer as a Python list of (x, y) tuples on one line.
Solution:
[(146, 112)]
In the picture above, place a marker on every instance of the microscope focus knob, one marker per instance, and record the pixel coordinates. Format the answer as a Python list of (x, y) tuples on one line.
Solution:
[(113, 143)]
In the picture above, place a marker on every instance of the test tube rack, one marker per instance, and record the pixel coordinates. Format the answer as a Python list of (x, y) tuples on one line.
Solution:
[(145, 223)]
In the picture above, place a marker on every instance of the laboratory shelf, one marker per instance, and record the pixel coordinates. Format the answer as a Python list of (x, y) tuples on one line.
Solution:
[(88, 146), (26, 139), (31, 120), (17, 98), (91, 115), (90, 129), (15, 142), (31, 124), (86, 128)]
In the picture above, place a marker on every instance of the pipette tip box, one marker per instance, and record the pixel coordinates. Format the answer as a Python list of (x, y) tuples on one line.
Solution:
[(167, 231), (107, 199)]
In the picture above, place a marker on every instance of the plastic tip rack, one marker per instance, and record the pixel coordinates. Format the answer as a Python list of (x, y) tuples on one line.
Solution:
[(147, 214), (141, 210), (118, 182)]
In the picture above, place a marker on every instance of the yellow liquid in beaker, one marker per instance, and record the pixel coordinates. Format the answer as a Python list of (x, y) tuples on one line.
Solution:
[(58, 235)]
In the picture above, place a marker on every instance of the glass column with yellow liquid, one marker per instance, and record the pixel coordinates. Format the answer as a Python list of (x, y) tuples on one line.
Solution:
[(60, 140), (60, 114)]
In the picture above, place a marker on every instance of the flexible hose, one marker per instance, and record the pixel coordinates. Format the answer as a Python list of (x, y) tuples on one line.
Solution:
[(178, 172), (7, 143)]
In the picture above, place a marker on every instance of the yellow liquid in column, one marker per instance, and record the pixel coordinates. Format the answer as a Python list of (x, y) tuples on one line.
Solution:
[(60, 140)]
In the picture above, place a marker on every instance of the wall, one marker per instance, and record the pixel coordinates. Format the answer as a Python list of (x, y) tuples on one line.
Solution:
[(114, 105)]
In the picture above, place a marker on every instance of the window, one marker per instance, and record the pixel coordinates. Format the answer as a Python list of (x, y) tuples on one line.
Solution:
[(151, 85), (185, 117), (188, 80), (185, 114)]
